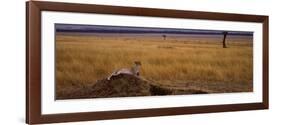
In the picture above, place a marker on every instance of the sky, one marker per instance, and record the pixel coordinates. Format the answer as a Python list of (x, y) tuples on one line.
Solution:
[(125, 29)]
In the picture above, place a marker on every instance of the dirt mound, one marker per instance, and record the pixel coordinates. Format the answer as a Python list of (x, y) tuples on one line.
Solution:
[(124, 86), (121, 86)]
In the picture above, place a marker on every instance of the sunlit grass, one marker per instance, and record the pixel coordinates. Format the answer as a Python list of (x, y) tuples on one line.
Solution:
[(85, 59)]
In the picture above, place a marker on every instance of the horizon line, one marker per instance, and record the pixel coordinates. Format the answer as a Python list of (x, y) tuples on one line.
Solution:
[(128, 29)]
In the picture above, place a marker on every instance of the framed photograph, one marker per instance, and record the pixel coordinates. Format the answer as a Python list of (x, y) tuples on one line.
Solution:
[(93, 62)]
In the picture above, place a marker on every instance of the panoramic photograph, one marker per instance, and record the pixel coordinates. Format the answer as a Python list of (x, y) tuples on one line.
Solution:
[(98, 61)]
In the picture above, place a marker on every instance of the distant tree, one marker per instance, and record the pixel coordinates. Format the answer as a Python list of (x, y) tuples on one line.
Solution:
[(224, 37), (164, 37)]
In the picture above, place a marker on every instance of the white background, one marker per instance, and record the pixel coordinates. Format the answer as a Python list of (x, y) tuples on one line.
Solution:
[(12, 62), (50, 106)]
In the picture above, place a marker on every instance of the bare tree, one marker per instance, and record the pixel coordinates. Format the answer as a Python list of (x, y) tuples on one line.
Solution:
[(164, 37), (224, 37)]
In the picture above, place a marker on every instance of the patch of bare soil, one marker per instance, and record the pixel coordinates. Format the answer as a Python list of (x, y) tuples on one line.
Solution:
[(124, 86)]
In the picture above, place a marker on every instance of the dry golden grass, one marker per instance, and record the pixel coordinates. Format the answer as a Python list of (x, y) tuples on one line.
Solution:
[(83, 59)]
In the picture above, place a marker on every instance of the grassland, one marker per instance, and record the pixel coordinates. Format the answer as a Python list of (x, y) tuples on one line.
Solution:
[(173, 62)]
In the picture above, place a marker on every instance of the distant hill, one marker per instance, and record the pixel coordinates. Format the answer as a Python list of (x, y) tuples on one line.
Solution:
[(124, 29)]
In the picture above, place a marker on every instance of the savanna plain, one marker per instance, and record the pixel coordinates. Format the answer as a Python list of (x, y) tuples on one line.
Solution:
[(174, 61)]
